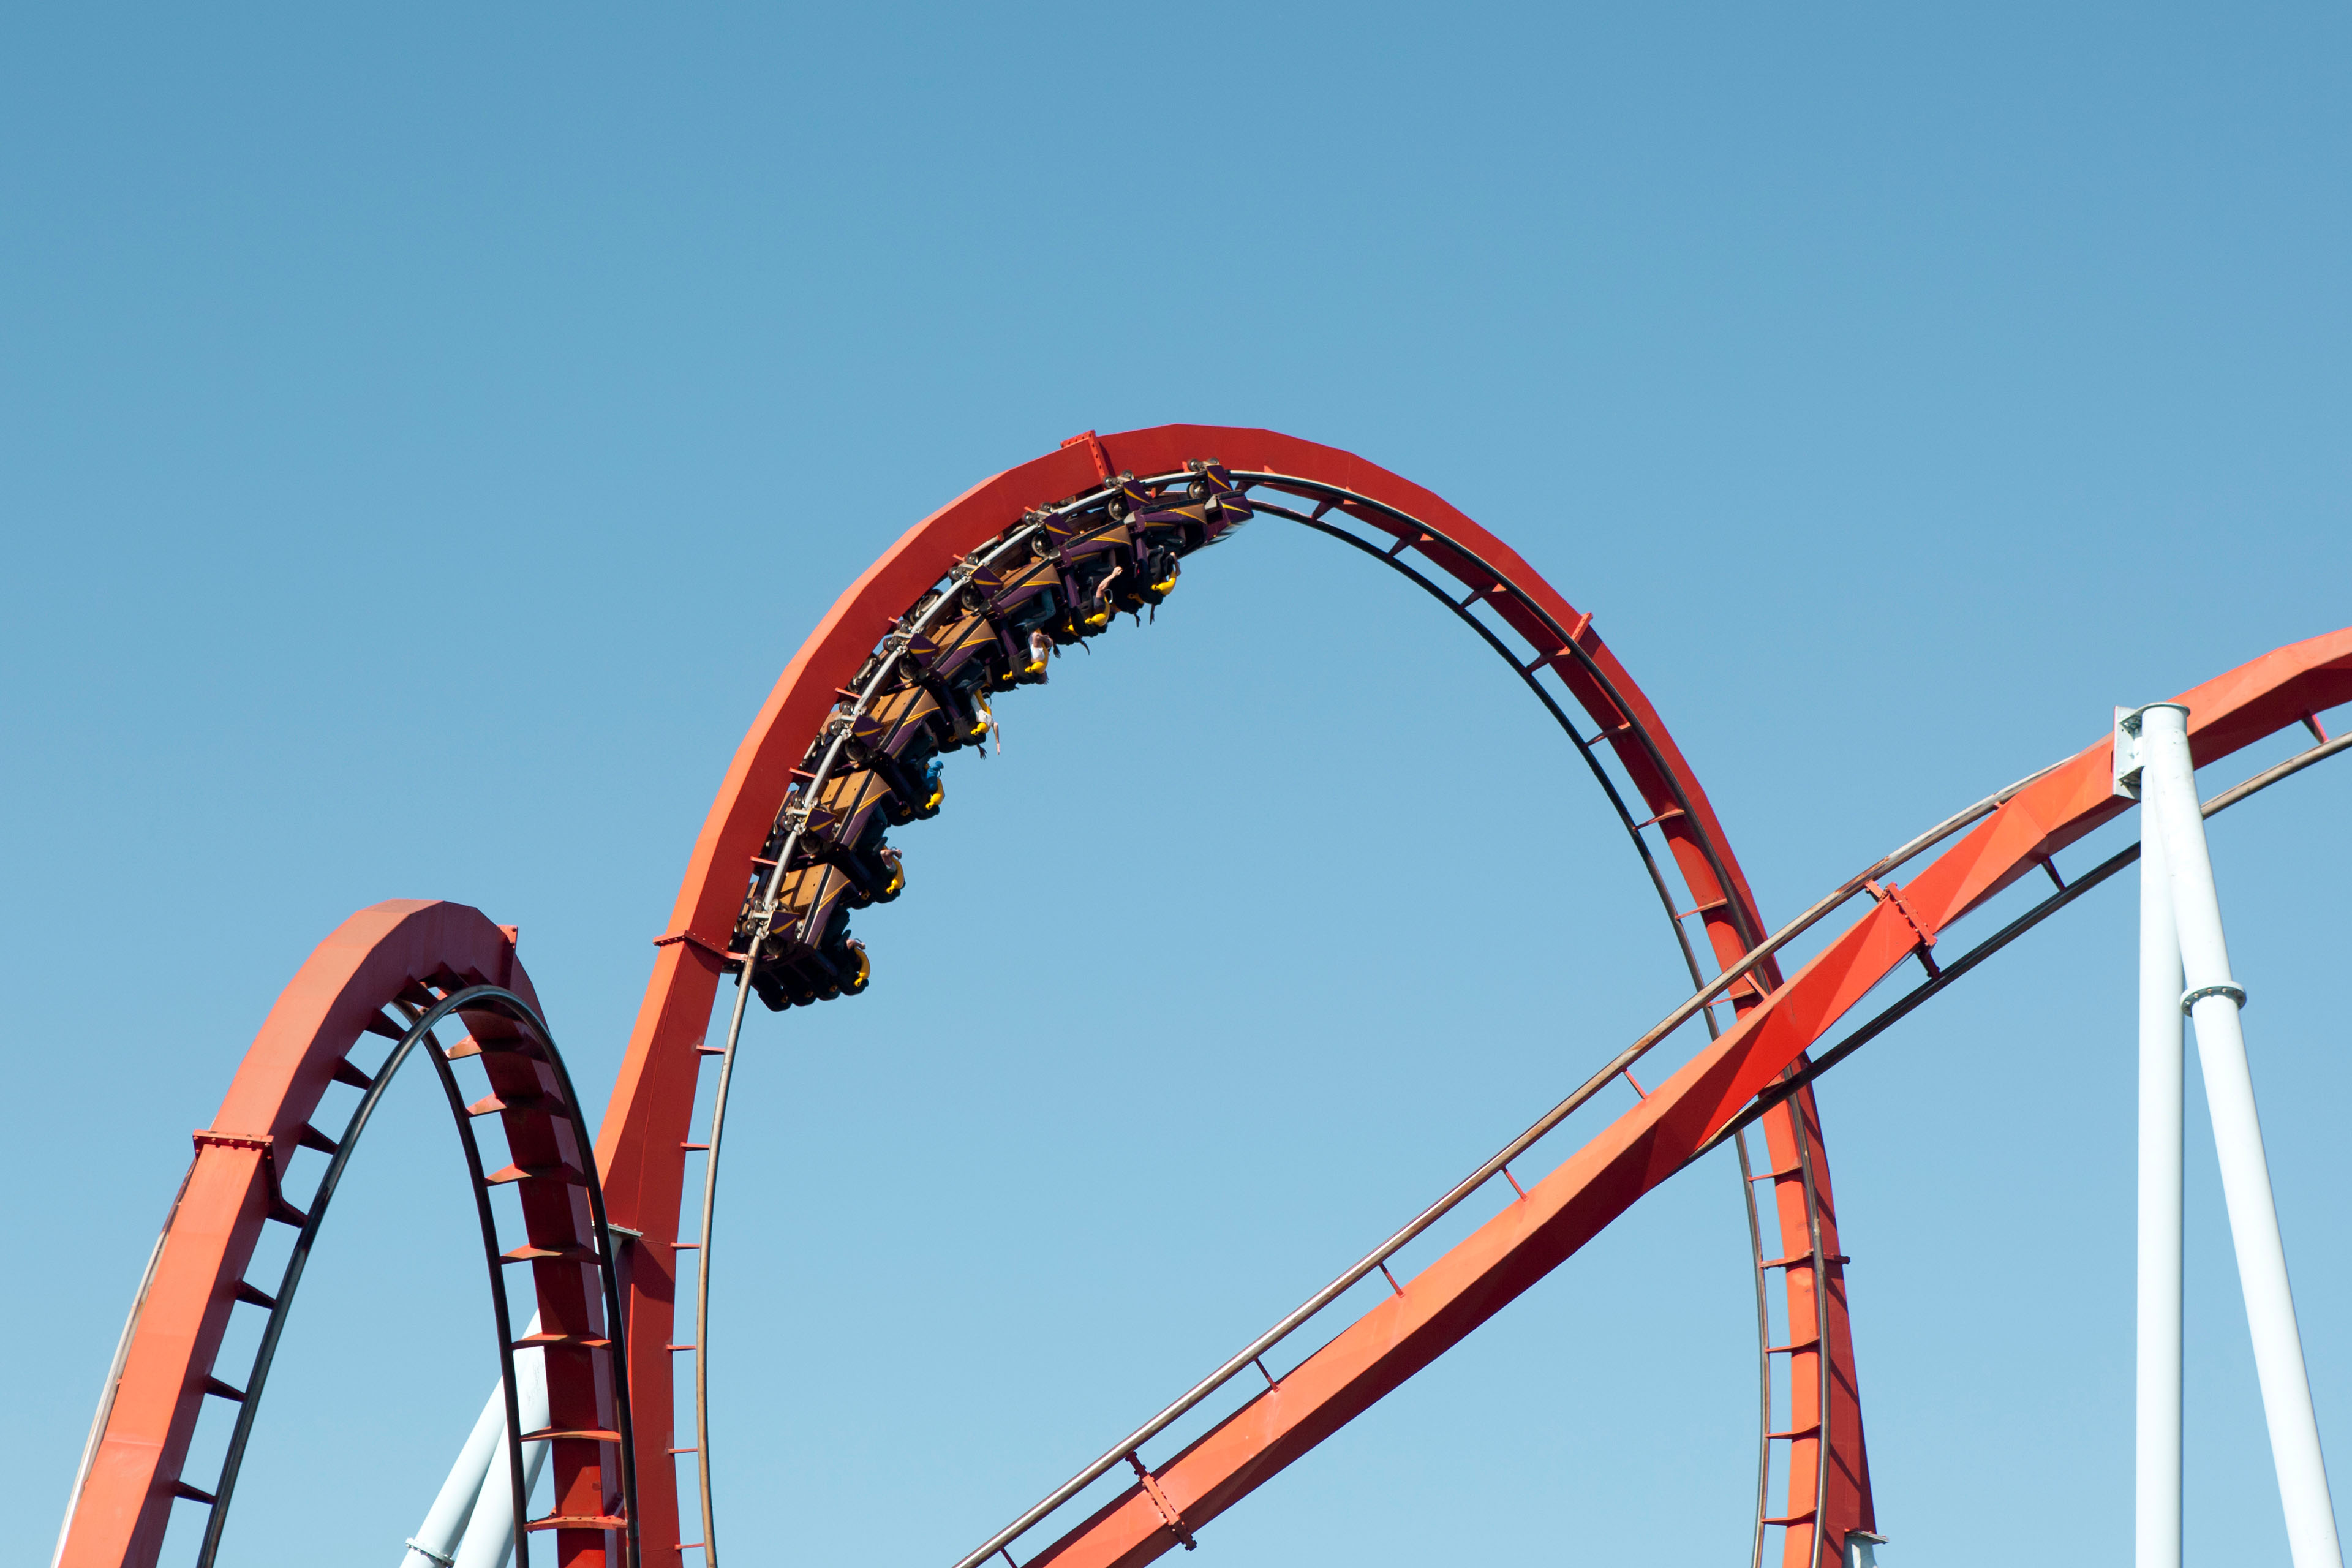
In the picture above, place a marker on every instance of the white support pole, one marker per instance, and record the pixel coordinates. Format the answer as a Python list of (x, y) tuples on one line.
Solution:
[(478, 1490), (2155, 1533), (435, 1544), (489, 1534), (2169, 787)]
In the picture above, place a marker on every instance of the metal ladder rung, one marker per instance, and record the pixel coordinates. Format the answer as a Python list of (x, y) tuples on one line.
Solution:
[(579, 1521), (524, 1102), (564, 1174), (550, 1254)]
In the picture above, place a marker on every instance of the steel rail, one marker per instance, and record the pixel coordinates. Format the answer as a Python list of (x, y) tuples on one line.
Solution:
[(1742, 917), (1803, 1132), (947, 594), (420, 1022), (501, 1314), (1486, 1171), (1559, 715), (607, 1269), (381, 972), (1763, 1349), (502, 1003), (1587, 751)]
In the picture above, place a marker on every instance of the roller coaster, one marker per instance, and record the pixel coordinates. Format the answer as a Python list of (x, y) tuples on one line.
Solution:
[(969, 605)]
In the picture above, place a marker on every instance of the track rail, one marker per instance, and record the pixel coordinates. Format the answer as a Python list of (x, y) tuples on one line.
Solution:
[(397, 971), (1795, 1122), (793, 844)]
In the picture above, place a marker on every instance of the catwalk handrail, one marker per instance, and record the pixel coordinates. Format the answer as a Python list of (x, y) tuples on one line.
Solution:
[(1486, 1172)]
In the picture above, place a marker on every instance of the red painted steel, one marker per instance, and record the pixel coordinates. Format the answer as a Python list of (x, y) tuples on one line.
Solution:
[(126, 1501), (640, 1141), (231, 1190), (1832, 1480), (377, 957)]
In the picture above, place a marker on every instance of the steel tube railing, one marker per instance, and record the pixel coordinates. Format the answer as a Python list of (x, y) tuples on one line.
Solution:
[(1486, 1172)]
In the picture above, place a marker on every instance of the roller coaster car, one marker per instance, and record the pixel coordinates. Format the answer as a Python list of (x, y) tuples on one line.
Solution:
[(1090, 588), (1034, 657), (1000, 633), (943, 655), (1094, 613), (911, 788), (956, 716), (1209, 507), (926, 791), (953, 675), (792, 973), (1161, 568), (875, 873), (1030, 634), (1017, 603), (867, 870), (1017, 663), (1129, 502)]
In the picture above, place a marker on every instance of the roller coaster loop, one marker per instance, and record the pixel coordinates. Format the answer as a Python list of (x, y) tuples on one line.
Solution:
[(966, 605)]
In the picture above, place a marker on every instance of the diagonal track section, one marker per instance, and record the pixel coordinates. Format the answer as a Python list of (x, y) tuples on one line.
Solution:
[(1681, 1116)]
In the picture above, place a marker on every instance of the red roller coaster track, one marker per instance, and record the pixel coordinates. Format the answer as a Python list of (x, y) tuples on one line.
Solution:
[(899, 672)]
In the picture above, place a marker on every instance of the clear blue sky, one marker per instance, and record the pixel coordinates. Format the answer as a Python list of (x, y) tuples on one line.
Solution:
[(424, 438)]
